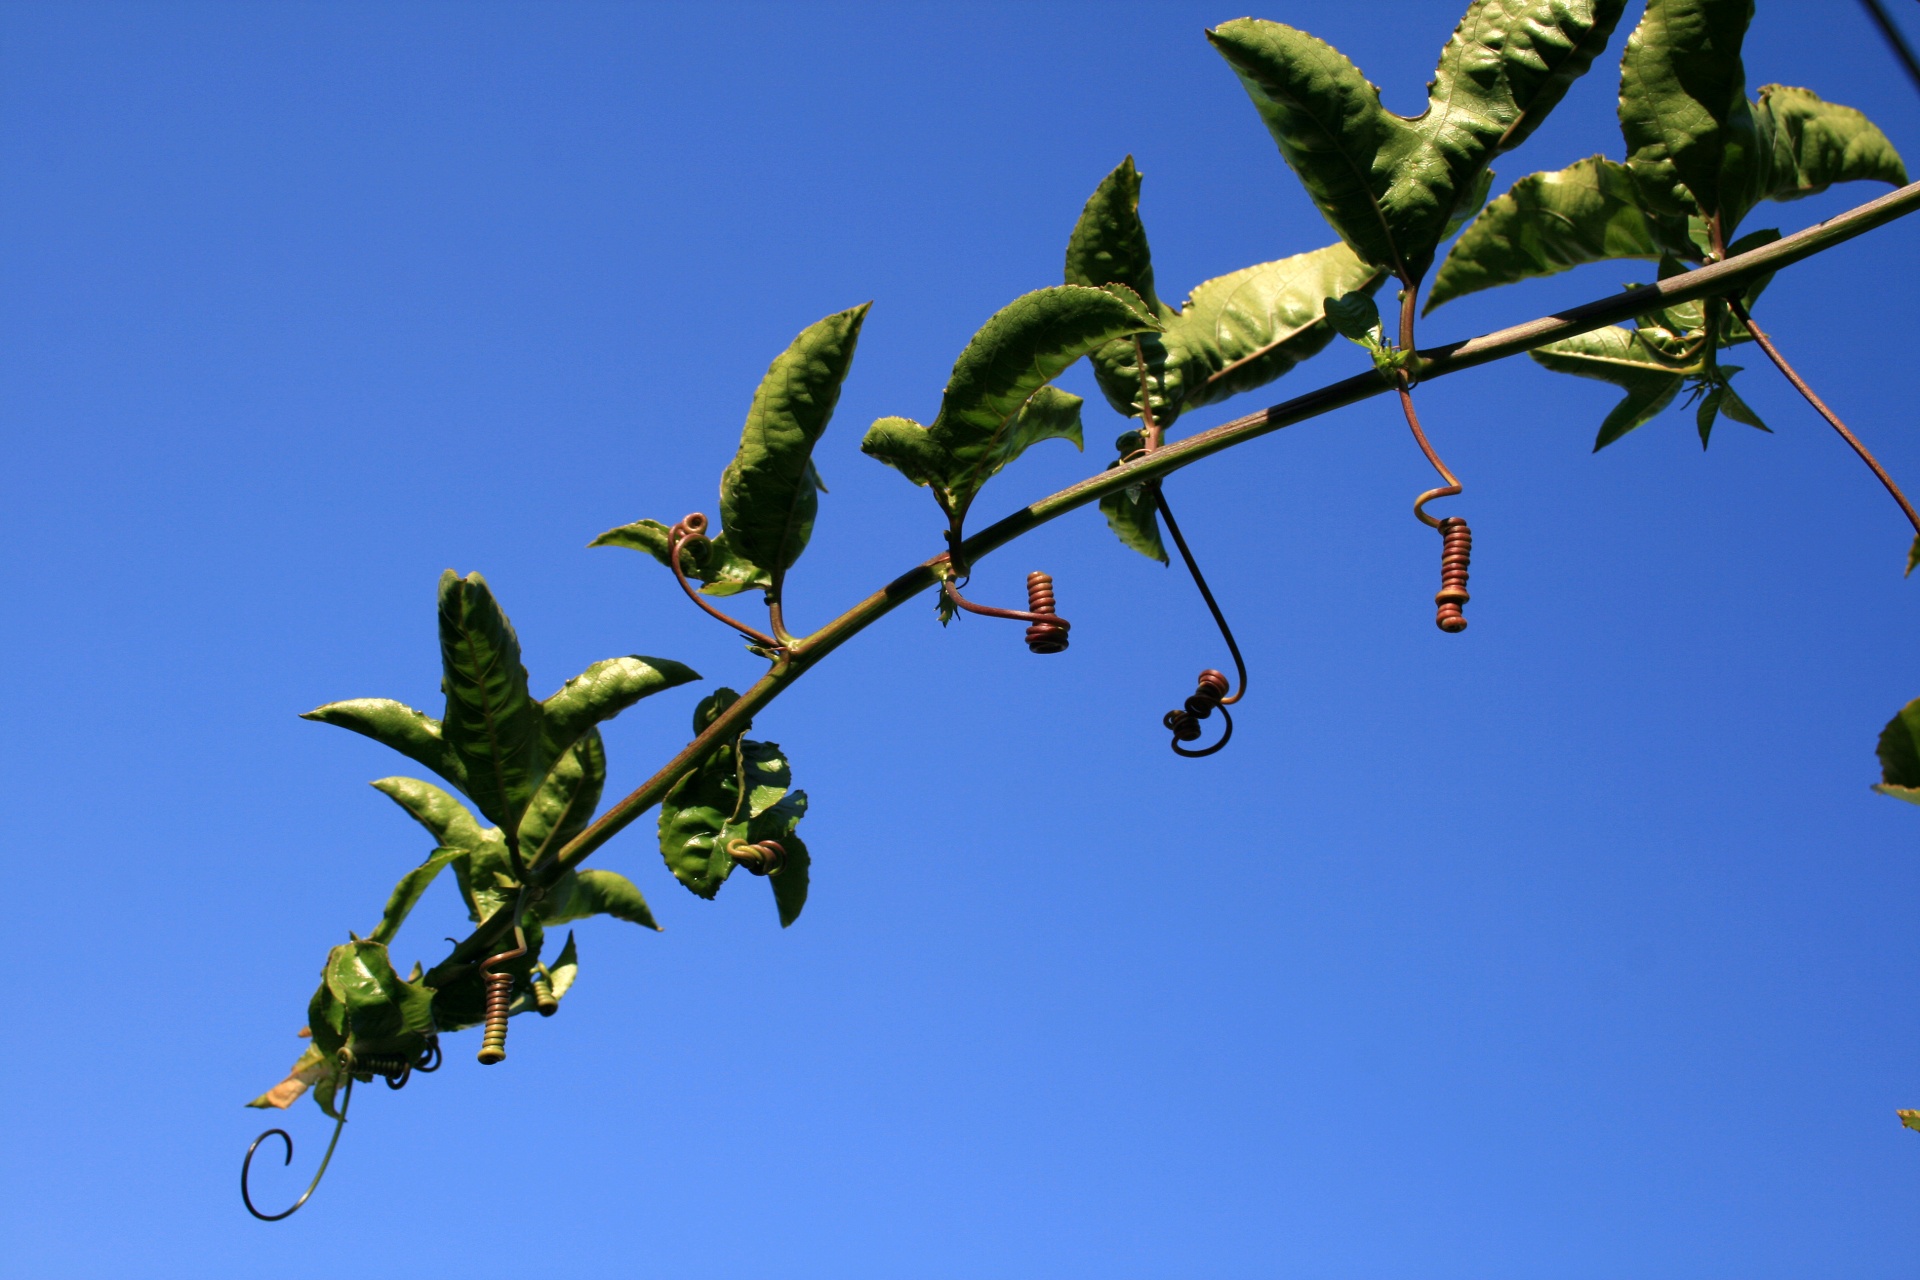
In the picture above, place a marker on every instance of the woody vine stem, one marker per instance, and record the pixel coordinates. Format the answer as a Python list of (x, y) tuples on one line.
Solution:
[(794, 657)]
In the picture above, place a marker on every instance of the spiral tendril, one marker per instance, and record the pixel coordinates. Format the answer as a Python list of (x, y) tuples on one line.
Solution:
[(761, 858), (1456, 548)]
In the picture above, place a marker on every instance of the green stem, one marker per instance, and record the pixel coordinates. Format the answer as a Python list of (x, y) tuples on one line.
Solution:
[(1714, 280)]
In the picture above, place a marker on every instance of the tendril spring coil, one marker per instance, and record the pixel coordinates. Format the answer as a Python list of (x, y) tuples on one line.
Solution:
[(762, 858), (1210, 691), (1049, 635), (1456, 548), (543, 998), (493, 1043)]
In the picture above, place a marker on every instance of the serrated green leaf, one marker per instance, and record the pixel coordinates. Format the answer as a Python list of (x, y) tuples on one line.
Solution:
[(693, 818), (1551, 222), (591, 891), (1816, 144), (1109, 242), (1622, 357), (715, 563), (769, 493), (1390, 185), (993, 408), (1135, 519)]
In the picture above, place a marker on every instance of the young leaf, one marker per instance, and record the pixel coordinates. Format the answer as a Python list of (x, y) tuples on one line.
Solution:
[(370, 1008), (715, 563), (1816, 144), (1135, 519), (407, 893), (591, 891), (1354, 316), (563, 806), (1624, 358), (564, 970), (769, 493), (495, 743), (693, 817), (1389, 185), (1899, 752), (994, 406), (1109, 242)]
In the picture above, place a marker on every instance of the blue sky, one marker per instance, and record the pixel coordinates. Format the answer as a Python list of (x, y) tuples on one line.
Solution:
[(1575, 945)]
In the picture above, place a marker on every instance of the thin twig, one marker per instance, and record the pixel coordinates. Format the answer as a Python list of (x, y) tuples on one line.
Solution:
[(1895, 41), (1833, 419)]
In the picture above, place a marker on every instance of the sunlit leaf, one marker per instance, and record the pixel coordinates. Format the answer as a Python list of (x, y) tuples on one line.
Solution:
[(769, 493), (1623, 358), (406, 894), (1816, 144), (1391, 185), (715, 563), (591, 891)]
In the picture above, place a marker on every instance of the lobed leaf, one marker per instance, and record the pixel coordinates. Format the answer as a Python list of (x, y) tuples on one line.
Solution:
[(1391, 186), (993, 408), (769, 493)]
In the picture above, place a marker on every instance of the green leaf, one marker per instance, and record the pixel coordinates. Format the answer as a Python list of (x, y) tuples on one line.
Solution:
[(1109, 242), (1913, 556), (563, 806), (1354, 316), (593, 892), (1551, 222), (564, 970), (492, 726), (1816, 144), (693, 818), (365, 1006), (1692, 141), (602, 692), (769, 493), (495, 743), (1135, 519), (993, 408), (1911, 1119), (791, 880), (1708, 412), (1391, 185), (449, 821), (406, 894), (1733, 406), (1899, 752), (724, 571), (1243, 330), (764, 777), (412, 733), (1625, 359)]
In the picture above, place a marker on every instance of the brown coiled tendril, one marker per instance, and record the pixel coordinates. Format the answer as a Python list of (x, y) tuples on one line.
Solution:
[(1456, 548), (692, 531), (493, 1040), (1456, 540), (761, 858), (1047, 630)]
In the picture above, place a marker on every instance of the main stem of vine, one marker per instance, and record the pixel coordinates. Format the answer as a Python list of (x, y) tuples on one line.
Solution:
[(1715, 280)]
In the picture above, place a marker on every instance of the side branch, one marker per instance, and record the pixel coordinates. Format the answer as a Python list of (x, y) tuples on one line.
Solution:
[(1718, 279)]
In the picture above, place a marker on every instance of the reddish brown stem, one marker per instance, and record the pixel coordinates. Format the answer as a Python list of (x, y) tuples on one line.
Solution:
[(1833, 419)]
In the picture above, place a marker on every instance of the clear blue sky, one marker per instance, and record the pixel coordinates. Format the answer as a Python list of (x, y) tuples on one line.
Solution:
[(1574, 946)]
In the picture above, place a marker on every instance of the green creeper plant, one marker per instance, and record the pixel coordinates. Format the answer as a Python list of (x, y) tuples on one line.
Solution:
[(521, 807)]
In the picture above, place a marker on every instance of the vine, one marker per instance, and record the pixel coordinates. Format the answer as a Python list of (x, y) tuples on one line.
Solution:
[(1700, 156)]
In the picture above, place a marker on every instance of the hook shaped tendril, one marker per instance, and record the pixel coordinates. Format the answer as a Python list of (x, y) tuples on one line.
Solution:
[(1210, 694), (691, 531), (246, 1166)]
